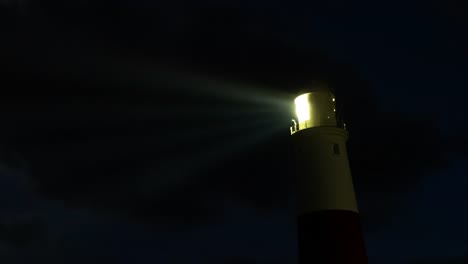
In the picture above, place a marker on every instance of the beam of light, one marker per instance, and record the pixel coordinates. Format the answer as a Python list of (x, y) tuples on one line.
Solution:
[(199, 127), (226, 111), (206, 95), (249, 105), (243, 115), (176, 172), (260, 114), (232, 143), (302, 108), (190, 83)]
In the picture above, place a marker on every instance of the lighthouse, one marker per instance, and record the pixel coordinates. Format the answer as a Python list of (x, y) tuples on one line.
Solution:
[(328, 223)]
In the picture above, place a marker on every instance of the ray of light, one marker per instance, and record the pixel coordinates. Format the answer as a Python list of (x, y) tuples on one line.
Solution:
[(176, 171), (183, 81)]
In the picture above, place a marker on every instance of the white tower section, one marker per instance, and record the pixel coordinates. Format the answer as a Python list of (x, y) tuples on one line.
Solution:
[(324, 176)]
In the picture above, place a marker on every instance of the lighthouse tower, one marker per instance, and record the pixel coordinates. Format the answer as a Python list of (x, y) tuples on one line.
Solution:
[(329, 229)]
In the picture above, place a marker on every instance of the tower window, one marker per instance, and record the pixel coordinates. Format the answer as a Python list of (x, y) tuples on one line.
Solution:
[(336, 149)]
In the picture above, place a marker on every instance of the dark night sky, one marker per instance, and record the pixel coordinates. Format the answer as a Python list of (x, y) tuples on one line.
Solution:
[(145, 132)]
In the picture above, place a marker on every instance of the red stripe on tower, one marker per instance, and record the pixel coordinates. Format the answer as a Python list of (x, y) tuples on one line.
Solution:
[(329, 228)]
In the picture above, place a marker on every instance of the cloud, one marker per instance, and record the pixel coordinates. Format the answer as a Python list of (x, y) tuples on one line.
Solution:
[(173, 163), (46, 231), (247, 260), (24, 229), (13, 2), (447, 260)]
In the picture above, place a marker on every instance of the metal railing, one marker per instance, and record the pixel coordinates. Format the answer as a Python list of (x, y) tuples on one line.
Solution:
[(295, 127)]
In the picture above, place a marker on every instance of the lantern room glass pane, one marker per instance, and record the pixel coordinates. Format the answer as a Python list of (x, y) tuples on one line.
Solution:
[(315, 109)]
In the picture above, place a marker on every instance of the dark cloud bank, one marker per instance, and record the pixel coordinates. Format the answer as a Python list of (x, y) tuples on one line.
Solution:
[(93, 135), (88, 106)]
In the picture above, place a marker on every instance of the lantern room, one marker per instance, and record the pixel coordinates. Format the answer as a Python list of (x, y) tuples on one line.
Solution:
[(314, 109)]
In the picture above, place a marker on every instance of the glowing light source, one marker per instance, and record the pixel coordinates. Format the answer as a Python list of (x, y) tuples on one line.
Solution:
[(315, 109), (302, 108)]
